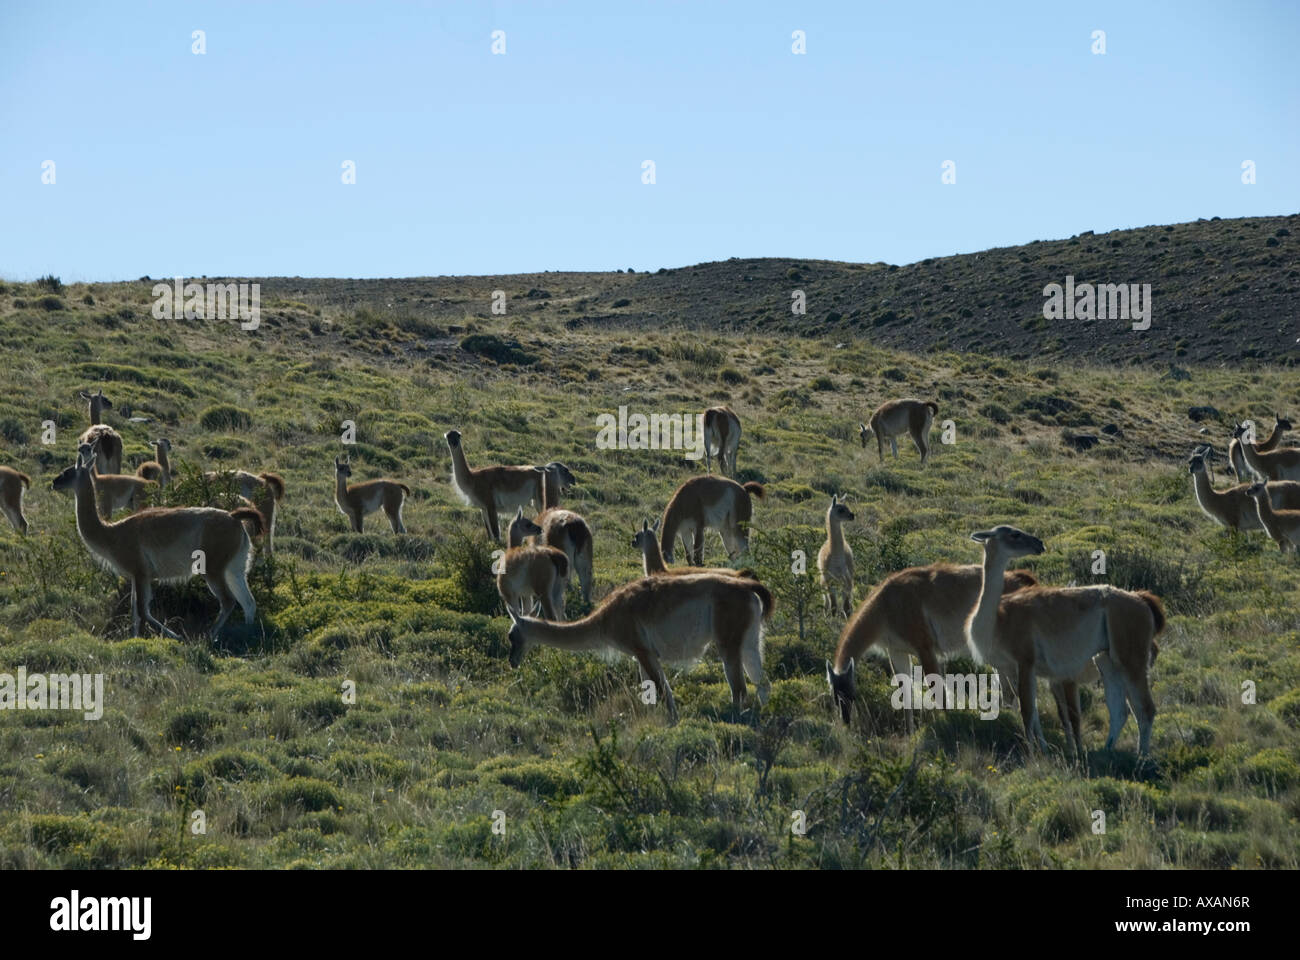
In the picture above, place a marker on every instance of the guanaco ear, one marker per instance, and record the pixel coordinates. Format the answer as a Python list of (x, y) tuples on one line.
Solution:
[(834, 500), (645, 524), (514, 618), (852, 666), (655, 526), (830, 672), (519, 514), (84, 395), (981, 535)]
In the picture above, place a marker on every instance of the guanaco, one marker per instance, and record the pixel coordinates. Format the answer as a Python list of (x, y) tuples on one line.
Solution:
[(721, 439), (494, 490), (894, 418), (671, 619), (1279, 464), (1283, 526), (652, 558), (1233, 507), (920, 612), (262, 491), (564, 529), (164, 544), (355, 500), (835, 560), (1056, 631), (12, 487), (704, 503), (531, 571), (108, 440), (158, 469)]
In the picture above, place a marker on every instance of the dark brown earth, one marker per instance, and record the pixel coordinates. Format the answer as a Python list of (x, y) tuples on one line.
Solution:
[(1223, 291)]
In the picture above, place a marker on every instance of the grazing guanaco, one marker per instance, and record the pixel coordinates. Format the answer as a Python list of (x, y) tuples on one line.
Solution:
[(494, 490), (920, 612), (12, 486), (530, 571), (564, 529), (894, 418), (652, 558), (158, 469), (708, 502), (262, 491), (835, 560), (1055, 631), (108, 440), (721, 439), (1233, 508), (672, 619), (1283, 526), (166, 544), (1280, 464), (355, 500)]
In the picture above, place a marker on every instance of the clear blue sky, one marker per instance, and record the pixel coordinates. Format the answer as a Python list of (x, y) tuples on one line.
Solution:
[(229, 163)]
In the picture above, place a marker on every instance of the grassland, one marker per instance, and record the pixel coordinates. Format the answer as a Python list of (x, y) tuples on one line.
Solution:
[(254, 731)]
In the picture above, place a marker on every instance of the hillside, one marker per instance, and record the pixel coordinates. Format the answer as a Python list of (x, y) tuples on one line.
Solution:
[(1223, 291), (253, 730)]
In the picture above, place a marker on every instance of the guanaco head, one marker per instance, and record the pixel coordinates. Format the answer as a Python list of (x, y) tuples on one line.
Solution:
[(72, 478), (521, 527), (1243, 432), (561, 474), (1282, 422), (1257, 490), (1196, 462), (644, 537), (453, 438), (342, 468), (839, 510), (98, 403), (844, 689), (163, 444), (518, 644), (864, 433), (1008, 541)]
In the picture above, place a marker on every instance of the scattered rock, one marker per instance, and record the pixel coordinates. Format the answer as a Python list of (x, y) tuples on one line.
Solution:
[(1080, 441), (1112, 430), (1198, 414)]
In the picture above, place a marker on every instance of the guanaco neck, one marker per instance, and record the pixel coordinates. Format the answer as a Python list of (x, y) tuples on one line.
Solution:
[(1253, 459), (834, 533), (1274, 438), (652, 558), (1237, 459), (90, 525), (550, 491), (584, 634), (1205, 492), (460, 469), (516, 535), (161, 454), (1267, 517), (982, 622), (340, 488)]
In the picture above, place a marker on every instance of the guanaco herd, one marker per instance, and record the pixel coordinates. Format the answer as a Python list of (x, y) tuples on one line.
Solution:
[(1006, 618)]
